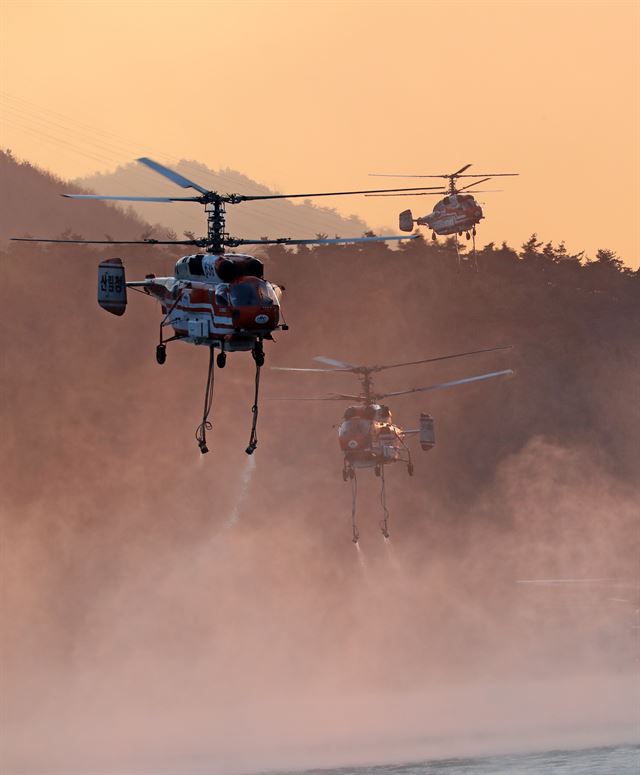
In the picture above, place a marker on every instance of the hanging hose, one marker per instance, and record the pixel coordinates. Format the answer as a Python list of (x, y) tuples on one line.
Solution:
[(205, 425), (458, 252), (354, 498), (475, 257), (384, 524), (253, 438)]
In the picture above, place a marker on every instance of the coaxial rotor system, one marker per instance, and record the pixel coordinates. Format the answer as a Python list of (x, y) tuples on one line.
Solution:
[(214, 202), (364, 374)]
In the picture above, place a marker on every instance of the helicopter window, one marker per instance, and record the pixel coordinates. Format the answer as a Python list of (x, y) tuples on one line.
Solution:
[(267, 296), (222, 296), (355, 426), (244, 295), (195, 265)]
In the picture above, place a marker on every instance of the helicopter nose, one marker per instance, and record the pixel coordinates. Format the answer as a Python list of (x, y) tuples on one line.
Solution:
[(250, 317)]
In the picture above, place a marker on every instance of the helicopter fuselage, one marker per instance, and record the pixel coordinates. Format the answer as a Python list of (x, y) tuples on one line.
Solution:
[(453, 214), (367, 443), (369, 438), (215, 300)]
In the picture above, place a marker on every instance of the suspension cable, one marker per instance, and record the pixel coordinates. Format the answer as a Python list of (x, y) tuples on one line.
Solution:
[(253, 438), (475, 257), (458, 256), (205, 425), (354, 499), (384, 523)]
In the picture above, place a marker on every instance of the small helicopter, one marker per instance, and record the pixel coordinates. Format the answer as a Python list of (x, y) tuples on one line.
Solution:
[(217, 299), (456, 213), (368, 436)]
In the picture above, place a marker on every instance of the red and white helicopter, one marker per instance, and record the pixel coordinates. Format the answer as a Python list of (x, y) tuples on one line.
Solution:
[(217, 299), (368, 436), (457, 212)]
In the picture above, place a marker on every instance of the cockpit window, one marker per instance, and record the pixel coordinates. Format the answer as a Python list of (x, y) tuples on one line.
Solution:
[(195, 265), (354, 427), (267, 295), (244, 295)]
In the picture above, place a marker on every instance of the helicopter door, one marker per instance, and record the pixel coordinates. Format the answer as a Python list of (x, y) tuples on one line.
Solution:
[(112, 286)]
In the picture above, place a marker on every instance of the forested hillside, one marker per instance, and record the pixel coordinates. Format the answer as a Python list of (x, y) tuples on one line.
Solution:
[(120, 535)]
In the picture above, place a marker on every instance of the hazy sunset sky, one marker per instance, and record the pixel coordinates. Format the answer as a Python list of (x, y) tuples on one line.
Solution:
[(314, 95)]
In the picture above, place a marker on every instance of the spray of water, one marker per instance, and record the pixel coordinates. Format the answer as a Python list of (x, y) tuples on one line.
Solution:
[(391, 554), (361, 559), (243, 492)]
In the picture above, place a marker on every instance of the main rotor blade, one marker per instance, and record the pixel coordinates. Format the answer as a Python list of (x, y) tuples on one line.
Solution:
[(134, 198), (455, 174), (232, 242), (466, 380), (324, 371), (340, 365), (398, 175), (174, 177), (446, 175), (442, 357), (417, 193), (332, 397), (491, 175), (251, 198), (459, 172), (475, 183), (336, 241), (150, 241)]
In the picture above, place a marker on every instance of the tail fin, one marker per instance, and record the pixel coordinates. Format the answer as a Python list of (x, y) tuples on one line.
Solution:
[(112, 286), (427, 432), (406, 221)]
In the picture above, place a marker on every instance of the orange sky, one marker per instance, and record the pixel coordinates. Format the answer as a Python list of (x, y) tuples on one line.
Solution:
[(314, 95)]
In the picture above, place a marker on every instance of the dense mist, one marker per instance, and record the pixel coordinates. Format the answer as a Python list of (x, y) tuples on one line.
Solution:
[(170, 612)]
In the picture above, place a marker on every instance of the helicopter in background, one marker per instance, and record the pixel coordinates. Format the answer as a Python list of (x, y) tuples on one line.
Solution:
[(368, 435), (457, 212), (216, 299)]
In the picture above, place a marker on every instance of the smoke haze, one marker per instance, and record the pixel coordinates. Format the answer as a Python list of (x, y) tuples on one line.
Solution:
[(170, 613)]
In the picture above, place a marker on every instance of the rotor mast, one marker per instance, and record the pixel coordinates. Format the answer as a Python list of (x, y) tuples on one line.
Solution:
[(216, 220), (368, 396)]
